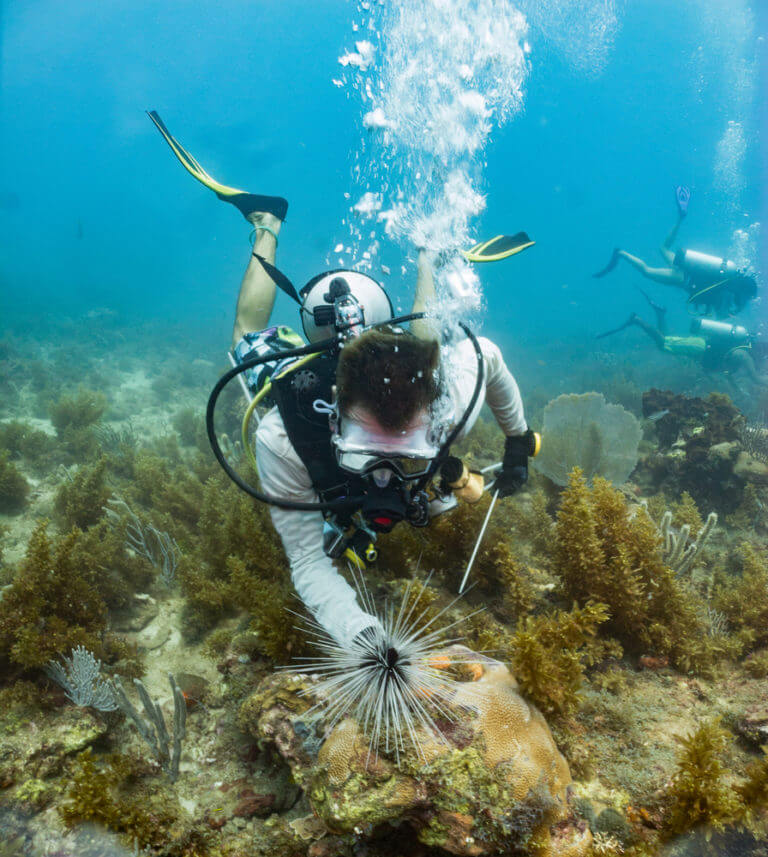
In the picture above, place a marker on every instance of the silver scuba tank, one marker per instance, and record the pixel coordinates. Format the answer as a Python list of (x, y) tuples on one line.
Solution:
[(721, 332), (700, 266)]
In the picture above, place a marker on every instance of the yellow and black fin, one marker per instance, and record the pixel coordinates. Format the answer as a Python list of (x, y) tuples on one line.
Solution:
[(247, 203), (498, 248)]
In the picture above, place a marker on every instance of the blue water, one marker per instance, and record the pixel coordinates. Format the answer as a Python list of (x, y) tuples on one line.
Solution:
[(95, 212)]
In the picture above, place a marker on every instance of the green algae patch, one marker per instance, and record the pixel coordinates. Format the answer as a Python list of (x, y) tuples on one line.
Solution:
[(41, 745), (119, 793), (14, 488)]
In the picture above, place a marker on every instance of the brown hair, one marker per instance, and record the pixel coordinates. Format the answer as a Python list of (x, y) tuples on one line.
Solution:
[(392, 375)]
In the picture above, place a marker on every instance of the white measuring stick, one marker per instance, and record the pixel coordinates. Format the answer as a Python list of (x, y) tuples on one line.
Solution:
[(479, 539)]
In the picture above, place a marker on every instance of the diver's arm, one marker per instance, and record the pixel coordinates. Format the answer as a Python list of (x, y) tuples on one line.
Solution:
[(504, 400), (424, 297), (323, 590), (501, 391)]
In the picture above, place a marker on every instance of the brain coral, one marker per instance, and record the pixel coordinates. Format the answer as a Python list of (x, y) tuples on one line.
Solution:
[(498, 782), (515, 733), (585, 431)]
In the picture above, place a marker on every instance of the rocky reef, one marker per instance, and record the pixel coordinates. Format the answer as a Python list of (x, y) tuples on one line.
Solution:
[(495, 783), (701, 449), (119, 534)]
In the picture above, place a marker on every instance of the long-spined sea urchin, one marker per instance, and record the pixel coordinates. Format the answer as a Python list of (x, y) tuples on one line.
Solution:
[(392, 680)]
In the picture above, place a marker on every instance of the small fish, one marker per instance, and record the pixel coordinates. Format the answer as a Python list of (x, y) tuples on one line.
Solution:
[(658, 415)]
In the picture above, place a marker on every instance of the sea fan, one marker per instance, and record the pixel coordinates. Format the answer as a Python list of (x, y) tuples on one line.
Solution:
[(392, 678)]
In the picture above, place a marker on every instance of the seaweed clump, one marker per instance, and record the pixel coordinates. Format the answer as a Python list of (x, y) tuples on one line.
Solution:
[(60, 595), (445, 547), (235, 562), (550, 652), (744, 600), (74, 418), (686, 513), (118, 796), (51, 606), (701, 796), (270, 604), (14, 488), (80, 500), (608, 552), (22, 440)]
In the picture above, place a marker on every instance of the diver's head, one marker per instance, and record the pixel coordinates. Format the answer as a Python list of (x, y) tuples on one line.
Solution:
[(341, 296), (743, 287), (386, 389)]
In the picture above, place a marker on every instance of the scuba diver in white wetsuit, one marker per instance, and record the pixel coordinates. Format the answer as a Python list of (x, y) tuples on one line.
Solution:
[(363, 416)]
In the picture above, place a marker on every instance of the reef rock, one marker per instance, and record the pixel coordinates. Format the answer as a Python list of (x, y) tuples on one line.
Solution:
[(35, 751), (677, 416), (751, 469), (496, 782), (699, 447)]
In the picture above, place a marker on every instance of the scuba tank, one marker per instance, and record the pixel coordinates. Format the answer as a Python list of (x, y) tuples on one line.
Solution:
[(702, 267), (721, 333)]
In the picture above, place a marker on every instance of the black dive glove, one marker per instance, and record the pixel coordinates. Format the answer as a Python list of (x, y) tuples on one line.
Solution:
[(514, 469)]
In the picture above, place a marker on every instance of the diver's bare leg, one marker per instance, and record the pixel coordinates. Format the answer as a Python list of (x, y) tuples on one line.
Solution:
[(257, 290), (666, 248), (665, 276), (424, 297)]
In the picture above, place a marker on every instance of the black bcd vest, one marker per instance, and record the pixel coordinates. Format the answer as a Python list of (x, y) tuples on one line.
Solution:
[(308, 431)]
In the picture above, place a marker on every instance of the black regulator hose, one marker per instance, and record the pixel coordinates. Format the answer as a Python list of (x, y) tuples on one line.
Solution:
[(249, 363)]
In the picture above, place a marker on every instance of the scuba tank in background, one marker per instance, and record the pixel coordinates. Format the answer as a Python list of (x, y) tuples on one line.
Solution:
[(716, 286), (721, 333), (701, 267)]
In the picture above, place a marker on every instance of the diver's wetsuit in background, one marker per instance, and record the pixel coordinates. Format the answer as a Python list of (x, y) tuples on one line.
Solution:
[(322, 589)]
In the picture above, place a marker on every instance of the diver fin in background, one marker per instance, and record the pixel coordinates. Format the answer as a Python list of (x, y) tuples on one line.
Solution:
[(499, 247), (659, 311), (612, 263), (682, 198), (628, 323), (245, 202)]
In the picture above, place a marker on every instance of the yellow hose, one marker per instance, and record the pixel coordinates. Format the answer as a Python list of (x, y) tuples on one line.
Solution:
[(258, 397)]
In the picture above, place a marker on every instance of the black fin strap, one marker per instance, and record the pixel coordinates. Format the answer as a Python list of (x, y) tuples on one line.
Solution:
[(279, 279)]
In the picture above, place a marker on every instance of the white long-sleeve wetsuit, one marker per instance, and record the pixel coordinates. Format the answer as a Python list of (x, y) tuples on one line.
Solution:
[(322, 589)]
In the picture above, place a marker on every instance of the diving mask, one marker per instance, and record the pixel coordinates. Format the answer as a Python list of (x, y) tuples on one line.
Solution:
[(364, 448)]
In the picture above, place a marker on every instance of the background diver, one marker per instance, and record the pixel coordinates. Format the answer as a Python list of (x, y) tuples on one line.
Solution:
[(714, 286), (717, 346), (366, 420)]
